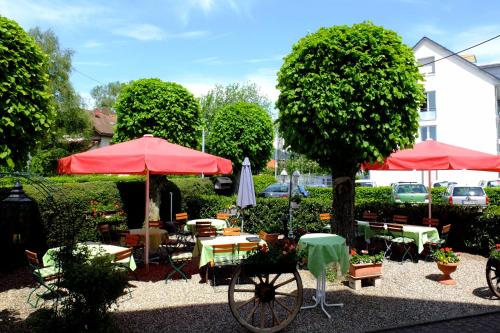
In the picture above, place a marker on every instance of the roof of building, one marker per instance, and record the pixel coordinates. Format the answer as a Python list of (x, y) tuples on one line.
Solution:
[(458, 57), (493, 69), (103, 122)]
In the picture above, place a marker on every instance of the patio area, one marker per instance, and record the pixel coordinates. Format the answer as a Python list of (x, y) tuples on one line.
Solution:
[(409, 294)]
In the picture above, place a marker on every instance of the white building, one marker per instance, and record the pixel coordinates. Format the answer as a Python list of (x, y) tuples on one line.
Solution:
[(462, 109)]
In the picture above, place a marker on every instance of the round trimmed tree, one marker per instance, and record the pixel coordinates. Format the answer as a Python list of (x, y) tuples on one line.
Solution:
[(348, 95), (242, 130), (164, 109), (25, 109)]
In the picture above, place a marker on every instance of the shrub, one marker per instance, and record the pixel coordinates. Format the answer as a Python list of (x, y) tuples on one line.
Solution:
[(494, 194), (260, 182)]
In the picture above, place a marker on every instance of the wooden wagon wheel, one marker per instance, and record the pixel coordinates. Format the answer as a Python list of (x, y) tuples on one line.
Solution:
[(493, 276), (267, 302)]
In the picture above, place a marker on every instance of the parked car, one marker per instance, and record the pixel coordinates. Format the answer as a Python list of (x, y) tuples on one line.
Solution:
[(466, 195), (490, 183), (364, 183), (443, 183), (280, 190), (409, 192)]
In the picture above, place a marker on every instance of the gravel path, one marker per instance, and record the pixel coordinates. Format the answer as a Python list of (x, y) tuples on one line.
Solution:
[(409, 294)]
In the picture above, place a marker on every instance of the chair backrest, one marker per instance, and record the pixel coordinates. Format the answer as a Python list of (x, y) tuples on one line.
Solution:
[(123, 255), (369, 216), (236, 231), (245, 247), (394, 227), (378, 227), (232, 221), (181, 217), (218, 249), (446, 229), (32, 258), (222, 216), (132, 240), (430, 222), (156, 224), (400, 218), (262, 234), (271, 238), (203, 224), (206, 232), (325, 216)]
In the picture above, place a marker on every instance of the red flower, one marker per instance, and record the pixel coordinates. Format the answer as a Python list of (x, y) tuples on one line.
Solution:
[(353, 252), (447, 249), (498, 246)]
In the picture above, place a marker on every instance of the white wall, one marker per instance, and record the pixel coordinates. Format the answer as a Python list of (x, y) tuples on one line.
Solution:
[(465, 115)]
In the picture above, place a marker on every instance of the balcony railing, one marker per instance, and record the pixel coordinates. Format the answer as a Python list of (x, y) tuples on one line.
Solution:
[(428, 115)]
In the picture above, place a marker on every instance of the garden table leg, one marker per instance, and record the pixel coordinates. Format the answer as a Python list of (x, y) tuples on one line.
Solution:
[(320, 298)]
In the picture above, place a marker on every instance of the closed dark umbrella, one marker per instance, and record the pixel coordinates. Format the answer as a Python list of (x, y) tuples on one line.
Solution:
[(246, 191)]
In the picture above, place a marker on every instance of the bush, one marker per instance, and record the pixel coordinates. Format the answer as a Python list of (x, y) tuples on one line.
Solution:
[(260, 182), (494, 194)]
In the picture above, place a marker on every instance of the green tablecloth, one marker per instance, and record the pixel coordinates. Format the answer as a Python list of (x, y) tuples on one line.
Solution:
[(203, 248), (49, 260), (323, 249), (420, 234), (217, 224)]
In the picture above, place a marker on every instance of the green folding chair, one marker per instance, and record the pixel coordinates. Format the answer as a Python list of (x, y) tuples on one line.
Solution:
[(44, 276), (177, 260)]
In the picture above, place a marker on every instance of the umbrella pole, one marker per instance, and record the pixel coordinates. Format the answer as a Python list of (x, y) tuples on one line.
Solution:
[(146, 221), (430, 194)]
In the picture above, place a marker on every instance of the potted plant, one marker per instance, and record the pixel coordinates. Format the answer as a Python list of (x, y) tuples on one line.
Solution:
[(447, 262), (280, 256), (364, 265)]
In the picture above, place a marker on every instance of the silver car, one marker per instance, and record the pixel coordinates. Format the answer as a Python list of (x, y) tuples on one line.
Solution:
[(466, 195)]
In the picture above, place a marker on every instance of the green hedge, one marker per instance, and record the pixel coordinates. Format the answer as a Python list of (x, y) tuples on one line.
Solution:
[(260, 182), (472, 230), (494, 195)]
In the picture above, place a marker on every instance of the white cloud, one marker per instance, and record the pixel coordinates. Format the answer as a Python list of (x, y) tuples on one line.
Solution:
[(268, 59), (88, 101), (92, 44), (485, 53), (185, 8), (198, 89), (143, 32), (189, 34), (265, 79), (208, 61), (30, 13), (428, 29)]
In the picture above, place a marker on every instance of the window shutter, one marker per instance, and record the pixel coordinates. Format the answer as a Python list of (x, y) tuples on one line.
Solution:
[(431, 100)]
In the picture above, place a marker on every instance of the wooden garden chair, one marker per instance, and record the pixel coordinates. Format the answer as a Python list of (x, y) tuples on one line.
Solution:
[(222, 256), (404, 242), (231, 231), (369, 216), (46, 277), (400, 219)]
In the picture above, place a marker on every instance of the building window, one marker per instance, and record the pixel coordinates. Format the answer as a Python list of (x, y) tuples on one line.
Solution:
[(426, 65), (428, 107), (428, 132)]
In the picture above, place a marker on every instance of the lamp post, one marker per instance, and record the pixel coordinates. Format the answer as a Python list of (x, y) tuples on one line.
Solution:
[(294, 180)]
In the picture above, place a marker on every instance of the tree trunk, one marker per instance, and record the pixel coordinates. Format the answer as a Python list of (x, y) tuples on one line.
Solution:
[(343, 204), (157, 183)]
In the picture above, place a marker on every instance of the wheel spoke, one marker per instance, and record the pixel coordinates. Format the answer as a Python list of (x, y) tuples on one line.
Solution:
[(260, 278), (267, 278), (283, 305), (275, 278), (283, 283), (245, 290), (250, 300), (292, 294), (262, 318), (253, 310), (275, 317)]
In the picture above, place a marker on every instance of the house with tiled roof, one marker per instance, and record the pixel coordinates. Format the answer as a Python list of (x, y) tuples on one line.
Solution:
[(103, 122), (461, 108)]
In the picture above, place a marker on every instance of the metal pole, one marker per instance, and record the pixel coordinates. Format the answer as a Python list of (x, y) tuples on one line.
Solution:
[(171, 205), (146, 221), (290, 231), (430, 194), (202, 147)]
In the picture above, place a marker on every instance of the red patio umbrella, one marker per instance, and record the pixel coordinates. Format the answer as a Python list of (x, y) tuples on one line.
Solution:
[(145, 156), (433, 155)]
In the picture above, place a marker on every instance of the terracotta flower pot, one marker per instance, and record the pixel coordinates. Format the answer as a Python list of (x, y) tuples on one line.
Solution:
[(361, 270), (447, 269)]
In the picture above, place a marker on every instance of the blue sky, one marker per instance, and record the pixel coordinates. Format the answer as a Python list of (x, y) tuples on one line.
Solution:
[(199, 43)]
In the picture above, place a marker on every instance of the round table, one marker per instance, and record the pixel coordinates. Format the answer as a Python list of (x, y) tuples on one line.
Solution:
[(155, 236), (323, 249), (216, 223)]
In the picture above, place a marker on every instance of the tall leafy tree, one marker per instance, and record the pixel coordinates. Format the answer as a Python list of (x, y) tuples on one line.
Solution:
[(71, 118), (164, 109), (25, 109), (221, 96), (348, 95), (105, 96), (242, 130)]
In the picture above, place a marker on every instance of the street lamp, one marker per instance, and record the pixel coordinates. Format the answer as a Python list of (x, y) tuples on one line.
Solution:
[(283, 176), (294, 180)]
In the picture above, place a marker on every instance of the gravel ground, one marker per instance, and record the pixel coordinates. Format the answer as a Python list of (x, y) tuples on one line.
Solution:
[(409, 294)]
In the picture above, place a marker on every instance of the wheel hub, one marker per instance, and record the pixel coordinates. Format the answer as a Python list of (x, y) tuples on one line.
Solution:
[(265, 292)]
